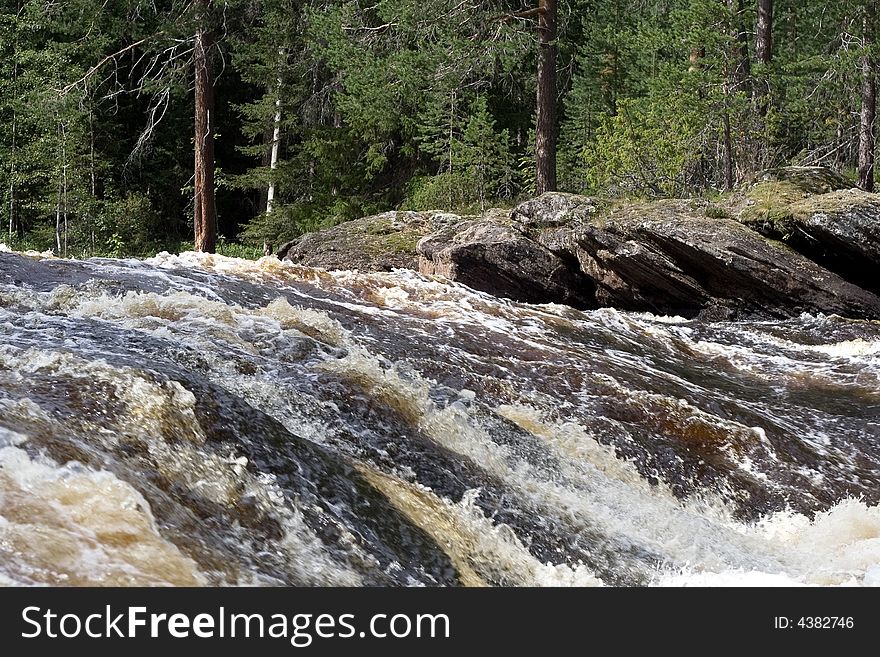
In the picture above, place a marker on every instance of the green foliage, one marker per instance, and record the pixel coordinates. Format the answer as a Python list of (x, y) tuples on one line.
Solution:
[(475, 161), (445, 191), (282, 225), (126, 225), (649, 147), (425, 104)]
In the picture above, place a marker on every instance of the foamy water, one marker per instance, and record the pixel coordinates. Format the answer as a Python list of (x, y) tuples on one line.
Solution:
[(196, 419)]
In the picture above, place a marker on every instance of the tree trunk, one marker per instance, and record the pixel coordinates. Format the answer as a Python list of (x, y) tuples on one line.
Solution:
[(14, 153), (12, 179), (58, 222), (64, 188), (205, 213), (737, 78), (273, 158), (273, 162), (62, 166), (727, 152), (764, 54), (695, 60), (276, 135), (742, 68), (451, 144), (545, 128), (764, 32), (869, 103)]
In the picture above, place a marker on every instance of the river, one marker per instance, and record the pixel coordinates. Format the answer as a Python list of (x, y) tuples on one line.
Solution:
[(195, 419)]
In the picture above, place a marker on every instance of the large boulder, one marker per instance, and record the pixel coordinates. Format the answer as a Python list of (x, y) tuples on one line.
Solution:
[(496, 257), (670, 257), (839, 229), (377, 243), (552, 210)]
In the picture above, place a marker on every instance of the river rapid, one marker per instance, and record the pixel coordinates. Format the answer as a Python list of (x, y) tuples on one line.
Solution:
[(195, 419)]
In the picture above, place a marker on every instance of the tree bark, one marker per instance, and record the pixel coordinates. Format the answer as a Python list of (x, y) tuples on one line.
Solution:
[(764, 55), (695, 60), (742, 68), (545, 127), (14, 153), (273, 158), (869, 102), (276, 136), (727, 152), (12, 178), (737, 78), (764, 32), (204, 211)]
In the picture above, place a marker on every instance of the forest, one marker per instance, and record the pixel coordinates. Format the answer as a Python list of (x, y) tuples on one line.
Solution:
[(136, 126)]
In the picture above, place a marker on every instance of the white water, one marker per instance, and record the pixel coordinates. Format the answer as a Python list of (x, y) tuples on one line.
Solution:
[(598, 447)]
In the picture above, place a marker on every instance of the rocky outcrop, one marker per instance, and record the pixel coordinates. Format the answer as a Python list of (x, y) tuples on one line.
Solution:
[(377, 243), (768, 252), (498, 257), (552, 210), (669, 257), (838, 229)]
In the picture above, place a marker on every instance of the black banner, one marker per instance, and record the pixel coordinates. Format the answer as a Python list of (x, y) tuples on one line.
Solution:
[(399, 621)]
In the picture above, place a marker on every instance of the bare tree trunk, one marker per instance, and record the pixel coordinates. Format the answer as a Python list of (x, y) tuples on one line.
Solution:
[(273, 162), (276, 137), (12, 178), (58, 222), (273, 158), (764, 32), (545, 128), (61, 163), (727, 152), (764, 54), (695, 65), (261, 195), (451, 145), (13, 154), (737, 78), (869, 102), (64, 188), (742, 72), (205, 212)]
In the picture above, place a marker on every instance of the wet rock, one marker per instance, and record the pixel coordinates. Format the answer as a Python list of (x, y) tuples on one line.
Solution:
[(498, 258), (793, 242)]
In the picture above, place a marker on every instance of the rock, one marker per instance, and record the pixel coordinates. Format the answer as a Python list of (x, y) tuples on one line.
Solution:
[(809, 180), (688, 258), (378, 243), (547, 219), (838, 229), (551, 210), (669, 257), (497, 258)]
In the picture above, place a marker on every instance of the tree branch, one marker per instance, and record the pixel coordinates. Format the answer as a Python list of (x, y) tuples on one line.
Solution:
[(91, 71), (520, 14)]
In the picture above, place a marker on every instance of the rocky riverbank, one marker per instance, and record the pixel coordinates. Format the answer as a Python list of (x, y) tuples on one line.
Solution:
[(797, 240)]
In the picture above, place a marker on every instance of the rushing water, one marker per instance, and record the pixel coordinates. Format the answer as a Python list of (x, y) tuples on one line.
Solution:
[(196, 419)]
